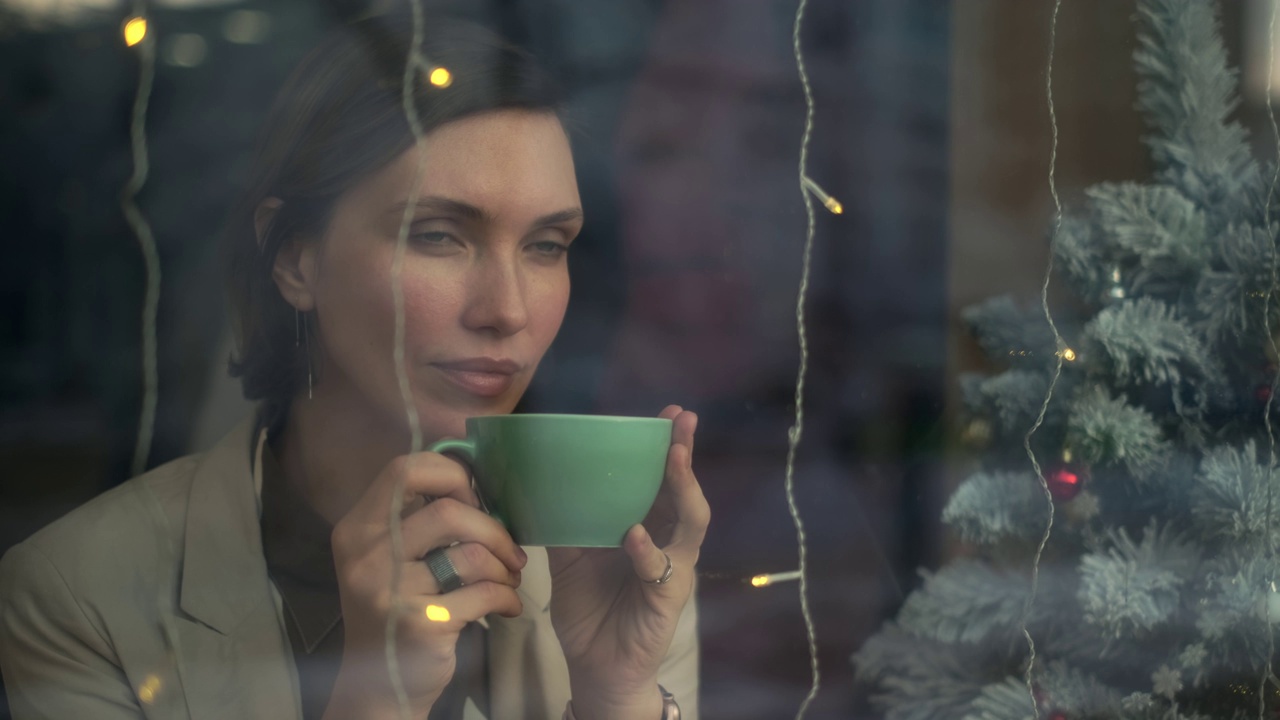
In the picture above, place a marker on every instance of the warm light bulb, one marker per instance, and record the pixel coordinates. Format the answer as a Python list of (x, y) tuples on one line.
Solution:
[(828, 202), (441, 77), (773, 578), (135, 30), (1069, 355), (149, 689), (437, 613)]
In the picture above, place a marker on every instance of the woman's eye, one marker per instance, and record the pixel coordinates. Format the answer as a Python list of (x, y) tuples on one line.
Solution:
[(432, 239), (550, 248)]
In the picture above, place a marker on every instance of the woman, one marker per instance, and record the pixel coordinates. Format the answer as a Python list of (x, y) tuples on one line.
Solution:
[(255, 580)]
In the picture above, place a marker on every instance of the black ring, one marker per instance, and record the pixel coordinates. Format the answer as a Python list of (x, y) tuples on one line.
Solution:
[(442, 570)]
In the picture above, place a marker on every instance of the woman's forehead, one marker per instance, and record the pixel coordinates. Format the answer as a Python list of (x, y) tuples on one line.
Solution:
[(507, 162)]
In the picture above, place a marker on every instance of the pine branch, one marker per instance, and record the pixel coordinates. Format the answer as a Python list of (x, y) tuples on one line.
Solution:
[(1232, 614), (1146, 342), (1132, 588), (1019, 336), (1187, 93), (1005, 700), (1078, 694), (1102, 429), (920, 679), (1082, 257), (1231, 295), (965, 602), (1229, 498), (993, 507), (1012, 399), (1152, 229)]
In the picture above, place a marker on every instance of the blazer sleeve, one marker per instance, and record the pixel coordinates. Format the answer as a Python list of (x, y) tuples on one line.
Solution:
[(679, 671), (55, 663)]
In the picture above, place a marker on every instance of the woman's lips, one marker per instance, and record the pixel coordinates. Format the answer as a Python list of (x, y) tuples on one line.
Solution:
[(484, 384), (482, 376)]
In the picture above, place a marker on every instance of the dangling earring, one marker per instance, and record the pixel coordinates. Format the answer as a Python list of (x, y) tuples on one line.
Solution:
[(299, 336)]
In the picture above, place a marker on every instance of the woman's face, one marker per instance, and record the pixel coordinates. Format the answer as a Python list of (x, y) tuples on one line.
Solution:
[(485, 274)]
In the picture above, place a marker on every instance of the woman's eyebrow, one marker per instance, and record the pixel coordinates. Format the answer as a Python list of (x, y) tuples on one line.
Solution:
[(556, 218), (467, 211), (445, 206)]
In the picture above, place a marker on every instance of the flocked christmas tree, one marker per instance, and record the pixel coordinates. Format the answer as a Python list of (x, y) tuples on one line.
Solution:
[(1157, 588)]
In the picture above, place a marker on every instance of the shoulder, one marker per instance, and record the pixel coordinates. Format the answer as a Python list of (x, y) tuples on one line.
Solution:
[(119, 539)]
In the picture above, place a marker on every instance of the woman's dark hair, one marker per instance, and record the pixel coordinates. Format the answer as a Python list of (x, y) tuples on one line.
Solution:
[(339, 118)]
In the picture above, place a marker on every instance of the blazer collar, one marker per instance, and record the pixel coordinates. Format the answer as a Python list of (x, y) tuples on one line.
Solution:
[(224, 574)]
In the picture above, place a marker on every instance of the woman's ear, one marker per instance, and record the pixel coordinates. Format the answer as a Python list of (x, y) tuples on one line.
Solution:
[(263, 215), (294, 271), (294, 266)]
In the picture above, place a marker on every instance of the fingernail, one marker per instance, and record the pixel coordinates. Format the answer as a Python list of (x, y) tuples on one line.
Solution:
[(524, 557)]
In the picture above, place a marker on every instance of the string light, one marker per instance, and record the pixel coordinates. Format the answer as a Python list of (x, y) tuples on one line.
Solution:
[(1023, 622), (438, 613), (135, 30), (775, 578), (827, 201), (797, 427), (440, 77), (414, 64), (1069, 355)]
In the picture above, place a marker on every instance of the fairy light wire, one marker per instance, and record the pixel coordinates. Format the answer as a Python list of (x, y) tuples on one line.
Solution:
[(1057, 370), (146, 241), (794, 434), (1269, 589), (413, 63)]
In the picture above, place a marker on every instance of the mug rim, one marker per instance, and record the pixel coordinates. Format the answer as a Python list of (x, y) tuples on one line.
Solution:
[(568, 416)]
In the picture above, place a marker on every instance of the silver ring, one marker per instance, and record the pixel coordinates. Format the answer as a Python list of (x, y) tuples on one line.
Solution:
[(442, 570), (666, 574)]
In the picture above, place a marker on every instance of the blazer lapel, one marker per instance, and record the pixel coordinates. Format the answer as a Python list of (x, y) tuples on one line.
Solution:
[(235, 659)]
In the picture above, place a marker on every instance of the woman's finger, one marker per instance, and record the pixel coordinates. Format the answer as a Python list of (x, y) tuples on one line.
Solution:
[(446, 521), (419, 474), (649, 561), (468, 604), (692, 512), (683, 427), (474, 564)]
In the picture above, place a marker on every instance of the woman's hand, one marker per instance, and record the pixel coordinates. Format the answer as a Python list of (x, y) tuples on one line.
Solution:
[(615, 628), (487, 560)]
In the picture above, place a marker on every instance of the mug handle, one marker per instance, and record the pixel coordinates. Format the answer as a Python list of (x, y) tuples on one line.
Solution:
[(465, 449)]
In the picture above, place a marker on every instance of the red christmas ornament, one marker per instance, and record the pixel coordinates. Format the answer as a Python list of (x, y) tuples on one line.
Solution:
[(1066, 482)]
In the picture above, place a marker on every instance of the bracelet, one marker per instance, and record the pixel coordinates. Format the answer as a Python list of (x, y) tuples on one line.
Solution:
[(670, 710)]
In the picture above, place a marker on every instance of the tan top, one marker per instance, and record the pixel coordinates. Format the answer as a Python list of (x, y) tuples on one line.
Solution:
[(153, 600)]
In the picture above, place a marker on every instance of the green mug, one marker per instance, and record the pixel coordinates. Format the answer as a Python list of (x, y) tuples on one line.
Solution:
[(565, 480)]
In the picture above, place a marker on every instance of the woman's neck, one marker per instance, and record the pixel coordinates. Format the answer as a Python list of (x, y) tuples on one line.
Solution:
[(333, 446)]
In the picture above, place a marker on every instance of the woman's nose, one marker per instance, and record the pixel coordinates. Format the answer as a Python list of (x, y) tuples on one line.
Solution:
[(496, 300)]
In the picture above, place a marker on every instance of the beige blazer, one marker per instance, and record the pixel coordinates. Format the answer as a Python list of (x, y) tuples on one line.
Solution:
[(153, 600)]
